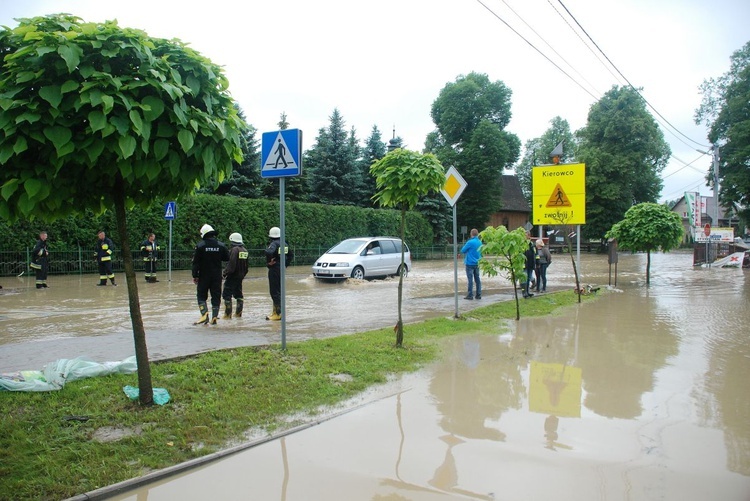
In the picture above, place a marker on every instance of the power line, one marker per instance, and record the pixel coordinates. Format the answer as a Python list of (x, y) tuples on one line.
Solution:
[(551, 47), (536, 49), (625, 78), (685, 165)]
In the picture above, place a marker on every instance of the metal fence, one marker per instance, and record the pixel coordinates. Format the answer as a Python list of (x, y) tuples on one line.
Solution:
[(81, 261)]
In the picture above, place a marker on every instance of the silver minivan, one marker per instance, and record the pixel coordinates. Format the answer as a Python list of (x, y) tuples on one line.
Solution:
[(362, 258)]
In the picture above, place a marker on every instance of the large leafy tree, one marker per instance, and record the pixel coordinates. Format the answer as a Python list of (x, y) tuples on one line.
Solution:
[(245, 180), (95, 116), (470, 116), (402, 177), (648, 227), (725, 109), (331, 163), (537, 151), (625, 152)]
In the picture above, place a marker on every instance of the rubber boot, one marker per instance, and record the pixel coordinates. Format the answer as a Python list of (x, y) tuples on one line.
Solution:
[(102, 282), (214, 315), (204, 314), (113, 281), (275, 313), (228, 308), (240, 304)]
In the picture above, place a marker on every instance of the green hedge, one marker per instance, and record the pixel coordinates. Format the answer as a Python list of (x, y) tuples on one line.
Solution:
[(307, 225)]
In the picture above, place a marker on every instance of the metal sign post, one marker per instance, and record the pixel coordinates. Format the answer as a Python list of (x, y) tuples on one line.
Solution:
[(454, 186), (281, 157), (170, 212)]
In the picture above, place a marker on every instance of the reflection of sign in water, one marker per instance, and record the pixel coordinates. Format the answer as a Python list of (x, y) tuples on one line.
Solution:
[(555, 389)]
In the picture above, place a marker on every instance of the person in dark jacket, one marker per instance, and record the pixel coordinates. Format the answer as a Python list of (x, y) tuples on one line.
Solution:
[(104, 250), (273, 262), (207, 258), (149, 252), (529, 266), (233, 274), (40, 260), (544, 259)]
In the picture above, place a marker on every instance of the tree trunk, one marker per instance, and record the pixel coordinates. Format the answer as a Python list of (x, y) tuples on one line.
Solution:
[(648, 268), (145, 392), (400, 324)]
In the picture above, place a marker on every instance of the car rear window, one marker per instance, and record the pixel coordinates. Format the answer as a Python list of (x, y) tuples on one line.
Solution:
[(388, 246)]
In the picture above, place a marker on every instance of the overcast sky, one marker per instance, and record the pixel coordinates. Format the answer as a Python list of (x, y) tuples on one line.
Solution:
[(382, 63)]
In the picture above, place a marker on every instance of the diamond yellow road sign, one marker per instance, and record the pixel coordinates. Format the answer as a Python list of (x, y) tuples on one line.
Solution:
[(559, 194), (453, 187)]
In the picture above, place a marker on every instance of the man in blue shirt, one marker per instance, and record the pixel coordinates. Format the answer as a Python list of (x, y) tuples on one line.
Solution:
[(472, 255)]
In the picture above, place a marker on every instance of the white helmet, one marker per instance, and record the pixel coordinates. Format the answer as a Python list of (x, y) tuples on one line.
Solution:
[(235, 238), (274, 232), (206, 228)]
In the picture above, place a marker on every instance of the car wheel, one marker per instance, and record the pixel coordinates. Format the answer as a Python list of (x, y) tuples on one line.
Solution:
[(402, 270), (358, 272)]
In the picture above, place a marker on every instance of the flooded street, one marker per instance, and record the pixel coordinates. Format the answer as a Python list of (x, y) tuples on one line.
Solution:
[(639, 395), (75, 318)]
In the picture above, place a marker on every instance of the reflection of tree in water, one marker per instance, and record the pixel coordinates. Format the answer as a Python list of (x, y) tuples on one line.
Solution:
[(727, 378), (483, 384), (622, 343)]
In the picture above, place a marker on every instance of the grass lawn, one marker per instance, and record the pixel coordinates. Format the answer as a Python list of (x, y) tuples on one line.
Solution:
[(216, 398)]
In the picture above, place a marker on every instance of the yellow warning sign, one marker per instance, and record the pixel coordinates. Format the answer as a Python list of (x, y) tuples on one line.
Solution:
[(559, 198), (559, 194)]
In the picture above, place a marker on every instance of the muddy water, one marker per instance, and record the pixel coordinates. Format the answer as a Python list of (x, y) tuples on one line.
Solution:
[(641, 395), (75, 318)]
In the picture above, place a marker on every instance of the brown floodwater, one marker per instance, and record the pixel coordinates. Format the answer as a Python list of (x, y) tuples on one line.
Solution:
[(639, 395)]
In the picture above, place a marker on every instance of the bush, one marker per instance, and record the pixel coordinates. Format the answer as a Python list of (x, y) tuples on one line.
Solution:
[(307, 225)]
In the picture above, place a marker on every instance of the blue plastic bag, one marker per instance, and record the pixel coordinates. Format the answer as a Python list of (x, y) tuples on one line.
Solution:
[(161, 395)]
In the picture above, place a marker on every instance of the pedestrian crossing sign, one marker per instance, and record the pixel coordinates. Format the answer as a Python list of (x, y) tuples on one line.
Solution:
[(170, 210), (558, 198), (281, 153)]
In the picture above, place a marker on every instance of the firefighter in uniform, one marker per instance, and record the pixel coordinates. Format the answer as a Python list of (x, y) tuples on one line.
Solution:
[(273, 262), (149, 251), (40, 260), (233, 274), (207, 268), (104, 250)]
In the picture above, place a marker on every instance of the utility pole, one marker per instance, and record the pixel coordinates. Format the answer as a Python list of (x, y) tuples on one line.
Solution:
[(715, 151)]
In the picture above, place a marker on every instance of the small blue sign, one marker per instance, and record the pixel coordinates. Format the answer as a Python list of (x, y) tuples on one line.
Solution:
[(281, 153), (170, 210)]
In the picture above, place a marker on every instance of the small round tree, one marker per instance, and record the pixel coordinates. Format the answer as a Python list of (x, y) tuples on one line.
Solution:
[(648, 227), (402, 177), (503, 252), (97, 117)]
